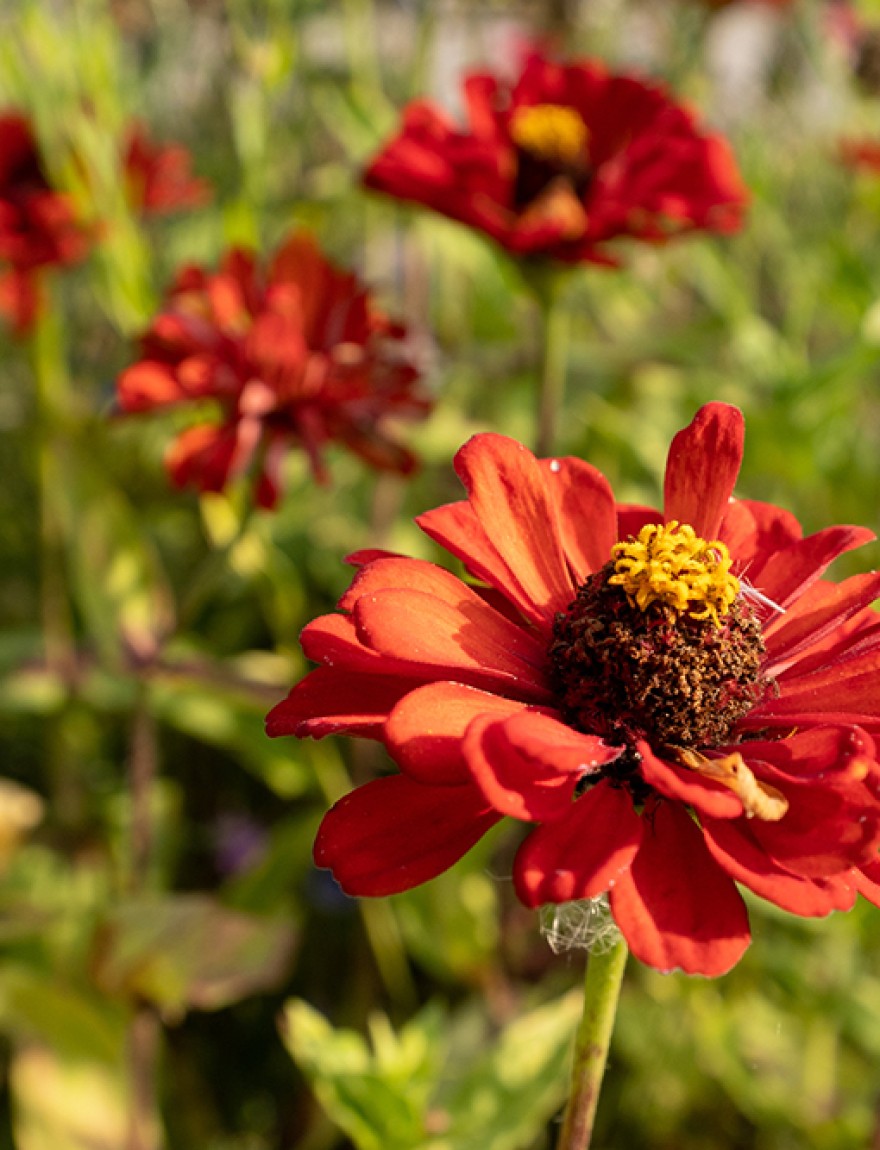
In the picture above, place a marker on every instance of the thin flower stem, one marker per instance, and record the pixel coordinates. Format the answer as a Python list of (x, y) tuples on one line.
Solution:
[(601, 992), (144, 1030), (52, 401), (554, 366)]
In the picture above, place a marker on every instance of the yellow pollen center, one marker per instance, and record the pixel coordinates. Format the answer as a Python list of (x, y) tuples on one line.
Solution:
[(671, 565), (551, 132)]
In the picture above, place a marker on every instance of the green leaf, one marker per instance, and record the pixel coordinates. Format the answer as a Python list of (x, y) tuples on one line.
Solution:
[(507, 1096), (188, 951), (378, 1096), (391, 1095), (36, 1006)]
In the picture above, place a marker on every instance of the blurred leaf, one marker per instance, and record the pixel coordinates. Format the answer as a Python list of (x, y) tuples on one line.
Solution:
[(66, 1103), (378, 1097), (188, 951), (393, 1097), (120, 585), (506, 1097), (36, 1005), (450, 925), (211, 703)]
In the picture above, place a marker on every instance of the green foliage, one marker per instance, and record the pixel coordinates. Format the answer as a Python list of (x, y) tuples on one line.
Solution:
[(407, 1091), (139, 621)]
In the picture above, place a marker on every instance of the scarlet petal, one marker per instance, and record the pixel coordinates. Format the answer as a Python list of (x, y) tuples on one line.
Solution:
[(329, 700), (582, 854), (506, 487), (675, 906), (587, 515), (148, 384), (703, 464), (425, 730), (416, 575), (867, 881), (832, 783), (817, 613), (704, 795), (393, 834), (792, 570), (456, 528), (528, 765), (470, 639), (740, 854)]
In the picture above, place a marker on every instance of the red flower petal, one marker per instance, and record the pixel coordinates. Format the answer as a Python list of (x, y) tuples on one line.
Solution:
[(425, 730), (402, 574), (702, 468), (456, 528), (832, 782), (393, 834), (675, 906), (586, 513), (705, 795), (528, 765), (581, 855), (818, 612), (733, 845), (470, 639), (506, 487), (792, 570), (867, 882), (327, 701)]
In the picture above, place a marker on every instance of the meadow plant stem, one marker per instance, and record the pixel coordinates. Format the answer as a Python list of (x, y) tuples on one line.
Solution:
[(551, 394), (144, 1031), (50, 379), (601, 992)]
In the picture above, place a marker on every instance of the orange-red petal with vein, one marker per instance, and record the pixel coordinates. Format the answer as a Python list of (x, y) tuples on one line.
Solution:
[(507, 491), (741, 855), (528, 765), (425, 730), (674, 905), (393, 834), (581, 855), (702, 467)]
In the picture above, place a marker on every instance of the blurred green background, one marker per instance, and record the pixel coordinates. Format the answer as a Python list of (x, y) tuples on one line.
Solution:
[(208, 989)]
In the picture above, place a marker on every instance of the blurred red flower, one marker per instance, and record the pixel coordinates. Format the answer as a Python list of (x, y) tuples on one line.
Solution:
[(677, 701), (38, 227), (295, 355), (563, 161), (860, 154), (159, 177)]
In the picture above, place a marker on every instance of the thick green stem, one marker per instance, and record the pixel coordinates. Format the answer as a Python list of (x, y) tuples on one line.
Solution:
[(553, 370), (601, 992)]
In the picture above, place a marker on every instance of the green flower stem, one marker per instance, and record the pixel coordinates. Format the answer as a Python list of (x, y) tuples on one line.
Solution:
[(601, 992), (551, 394), (144, 1029), (52, 402)]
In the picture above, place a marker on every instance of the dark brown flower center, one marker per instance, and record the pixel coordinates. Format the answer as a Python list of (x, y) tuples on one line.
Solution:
[(660, 645)]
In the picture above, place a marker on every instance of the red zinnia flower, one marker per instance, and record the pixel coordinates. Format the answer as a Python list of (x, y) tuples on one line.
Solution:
[(295, 355), (38, 228), (563, 161), (861, 154), (159, 178), (676, 700)]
